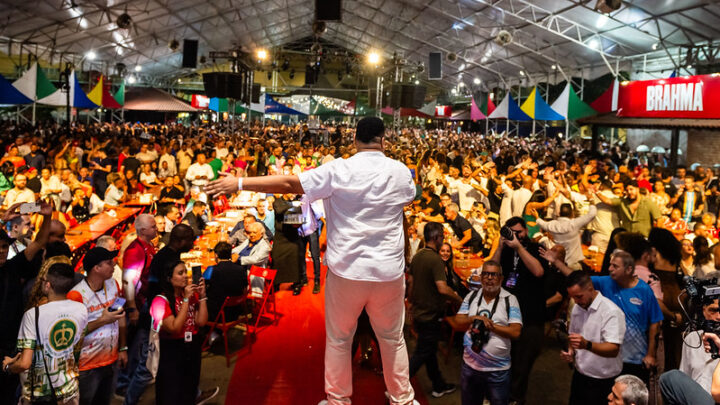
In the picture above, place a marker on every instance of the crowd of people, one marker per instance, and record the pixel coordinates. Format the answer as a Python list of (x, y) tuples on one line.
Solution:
[(531, 208)]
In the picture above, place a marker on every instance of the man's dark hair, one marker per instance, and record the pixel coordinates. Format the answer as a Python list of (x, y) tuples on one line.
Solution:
[(514, 221), (223, 250), (368, 129), (566, 210), (432, 231), (633, 183), (57, 249), (61, 278), (181, 232), (18, 220), (666, 245), (636, 244), (580, 278)]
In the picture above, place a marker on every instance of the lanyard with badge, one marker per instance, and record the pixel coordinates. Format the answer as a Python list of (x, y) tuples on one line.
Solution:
[(513, 276)]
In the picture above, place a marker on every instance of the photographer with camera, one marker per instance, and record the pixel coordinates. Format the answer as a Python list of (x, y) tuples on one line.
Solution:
[(523, 273), (678, 388), (495, 317), (597, 329), (696, 364), (429, 294)]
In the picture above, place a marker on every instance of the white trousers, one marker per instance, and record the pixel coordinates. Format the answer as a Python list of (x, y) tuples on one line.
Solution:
[(385, 305)]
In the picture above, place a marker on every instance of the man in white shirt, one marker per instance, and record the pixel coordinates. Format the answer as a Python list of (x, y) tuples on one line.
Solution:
[(199, 173), (606, 219), (363, 198), (20, 193), (566, 231), (521, 196), (597, 329)]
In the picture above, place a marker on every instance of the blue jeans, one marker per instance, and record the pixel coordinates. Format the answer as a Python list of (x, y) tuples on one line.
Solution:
[(136, 376), (678, 388), (477, 385), (96, 385)]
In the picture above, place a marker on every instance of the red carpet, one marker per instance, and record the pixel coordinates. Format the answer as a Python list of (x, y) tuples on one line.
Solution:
[(286, 367)]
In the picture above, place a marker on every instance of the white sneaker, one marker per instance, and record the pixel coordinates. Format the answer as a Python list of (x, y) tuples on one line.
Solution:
[(323, 402), (387, 395)]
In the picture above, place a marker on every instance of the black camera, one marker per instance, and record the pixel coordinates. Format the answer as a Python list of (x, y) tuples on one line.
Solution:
[(480, 337), (701, 293), (507, 233), (561, 333)]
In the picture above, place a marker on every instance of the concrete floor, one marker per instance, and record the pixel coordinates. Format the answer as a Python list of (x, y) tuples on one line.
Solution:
[(549, 381)]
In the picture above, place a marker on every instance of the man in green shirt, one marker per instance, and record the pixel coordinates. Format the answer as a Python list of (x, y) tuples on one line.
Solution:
[(215, 163), (636, 213)]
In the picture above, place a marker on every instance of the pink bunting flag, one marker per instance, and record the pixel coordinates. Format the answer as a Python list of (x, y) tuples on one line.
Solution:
[(475, 113)]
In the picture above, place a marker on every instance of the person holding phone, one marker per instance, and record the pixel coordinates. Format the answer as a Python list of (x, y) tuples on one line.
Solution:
[(104, 342), (179, 312)]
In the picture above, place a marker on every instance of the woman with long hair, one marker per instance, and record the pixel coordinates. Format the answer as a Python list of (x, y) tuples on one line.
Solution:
[(704, 262), (179, 312), (492, 237), (453, 280), (687, 257), (534, 209)]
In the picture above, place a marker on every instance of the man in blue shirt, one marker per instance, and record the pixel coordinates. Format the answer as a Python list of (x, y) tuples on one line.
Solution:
[(638, 303), (642, 314)]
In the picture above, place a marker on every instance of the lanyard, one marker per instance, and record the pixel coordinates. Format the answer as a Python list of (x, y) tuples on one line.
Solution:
[(494, 307), (104, 304)]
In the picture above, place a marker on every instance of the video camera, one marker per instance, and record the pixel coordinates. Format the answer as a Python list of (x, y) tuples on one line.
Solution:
[(700, 293)]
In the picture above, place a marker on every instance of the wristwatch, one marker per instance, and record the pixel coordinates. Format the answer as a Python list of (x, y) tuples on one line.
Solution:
[(588, 346)]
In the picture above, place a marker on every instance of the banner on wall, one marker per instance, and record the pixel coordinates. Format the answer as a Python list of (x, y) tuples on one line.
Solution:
[(443, 111), (200, 101), (677, 97)]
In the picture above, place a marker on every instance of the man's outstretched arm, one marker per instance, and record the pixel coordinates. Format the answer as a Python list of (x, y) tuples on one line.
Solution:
[(279, 184)]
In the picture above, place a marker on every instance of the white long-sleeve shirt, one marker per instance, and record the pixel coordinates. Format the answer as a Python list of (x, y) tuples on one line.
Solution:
[(197, 170), (566, 232)]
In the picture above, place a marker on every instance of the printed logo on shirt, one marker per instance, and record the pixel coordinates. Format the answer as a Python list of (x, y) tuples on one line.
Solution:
[(636, 301), (484, 313), (62, 334)]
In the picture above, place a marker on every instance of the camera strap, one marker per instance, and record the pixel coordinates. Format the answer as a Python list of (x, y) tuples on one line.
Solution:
[(495, 304)]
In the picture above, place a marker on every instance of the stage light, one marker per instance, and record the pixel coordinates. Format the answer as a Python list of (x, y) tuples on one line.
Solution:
[(374, 58), (476, 80), (655, 45), (553, 67), (417, 82), (292, 74), (594, 44), (90, 55), (138, 68), (262, 54), (131, 79), (286, 64), (522, 73)]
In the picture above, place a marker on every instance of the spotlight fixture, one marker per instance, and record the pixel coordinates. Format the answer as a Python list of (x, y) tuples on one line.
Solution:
[(269, 75), (124, 21), (131, 79), (476, 81), (286, 64), (417, 82), (261, 54), (90, 55), (339, 75), (292, 74), (174, 45), (608, 6), (374, 58), (138, 68)]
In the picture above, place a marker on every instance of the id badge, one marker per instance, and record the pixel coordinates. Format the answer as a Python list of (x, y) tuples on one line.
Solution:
[(511, 280), (188, 336)]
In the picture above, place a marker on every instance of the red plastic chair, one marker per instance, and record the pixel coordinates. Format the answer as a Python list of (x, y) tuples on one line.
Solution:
[(222, 323), (266, 300)]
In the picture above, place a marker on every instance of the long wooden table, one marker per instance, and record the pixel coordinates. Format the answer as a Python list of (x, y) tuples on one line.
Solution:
[(98, 226), (202, 252)]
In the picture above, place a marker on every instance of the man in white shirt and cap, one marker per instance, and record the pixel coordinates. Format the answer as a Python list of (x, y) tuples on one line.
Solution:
[(363, 197)]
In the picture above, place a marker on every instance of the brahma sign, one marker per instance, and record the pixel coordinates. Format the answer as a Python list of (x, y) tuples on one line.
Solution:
[(677, 97)]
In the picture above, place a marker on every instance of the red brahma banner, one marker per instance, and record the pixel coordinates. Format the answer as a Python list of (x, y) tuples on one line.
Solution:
[(677, 97)]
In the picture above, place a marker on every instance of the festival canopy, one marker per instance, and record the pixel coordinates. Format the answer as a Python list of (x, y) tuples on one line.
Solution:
[(487, 106), (9, 95), (536, 108), (149, 99), (405, 112), (509, 109), (100, 95), (569, 105), (608, 101), (272, 106), (461, 115), (120, 94), (475, 113), (78, 99), (429, 108), (34, 84)]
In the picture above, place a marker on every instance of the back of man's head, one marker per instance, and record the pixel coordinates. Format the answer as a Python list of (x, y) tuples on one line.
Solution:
[(223, 250), (368, 129), (181, 232), (635, 392), (579, 278), (566, 210), (61, 276), (432, 231)]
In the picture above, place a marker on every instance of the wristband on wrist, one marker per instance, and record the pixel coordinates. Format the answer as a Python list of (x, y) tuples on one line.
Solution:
[(185, 299), (123, 349), (240, 183), (588, 346)]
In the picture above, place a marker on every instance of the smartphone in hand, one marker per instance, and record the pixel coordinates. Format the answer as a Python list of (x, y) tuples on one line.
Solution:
[(196, 274), (117, 305)]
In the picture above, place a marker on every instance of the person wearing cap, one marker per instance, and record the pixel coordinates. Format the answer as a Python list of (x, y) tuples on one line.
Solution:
[(363, 197), (104, 341), (20, 193), (12, 274)]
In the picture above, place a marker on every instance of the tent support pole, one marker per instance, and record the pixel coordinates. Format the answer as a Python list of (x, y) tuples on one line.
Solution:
[(507, 127), (674, 145), (567, 129), (487, 125), (33, 114)]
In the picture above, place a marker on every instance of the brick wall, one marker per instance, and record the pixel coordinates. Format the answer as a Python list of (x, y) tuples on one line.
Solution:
[(703, 147)]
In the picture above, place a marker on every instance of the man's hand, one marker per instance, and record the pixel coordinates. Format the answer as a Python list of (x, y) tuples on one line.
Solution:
[(10, 360), (512, 243), (226, 184), (489, 324), (12, 212), (567, 356), (548, 254), (649, 362), (122, 359), (108, 316), (46, 209), (577, 341), (710, 337)]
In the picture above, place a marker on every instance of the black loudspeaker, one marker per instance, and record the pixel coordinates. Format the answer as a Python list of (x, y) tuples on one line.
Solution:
[(435, 66), (311, 75), (328, 10), (210, 80), (396, 95), (235, 86), (419, 96), (255, 93), (190, 51)]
